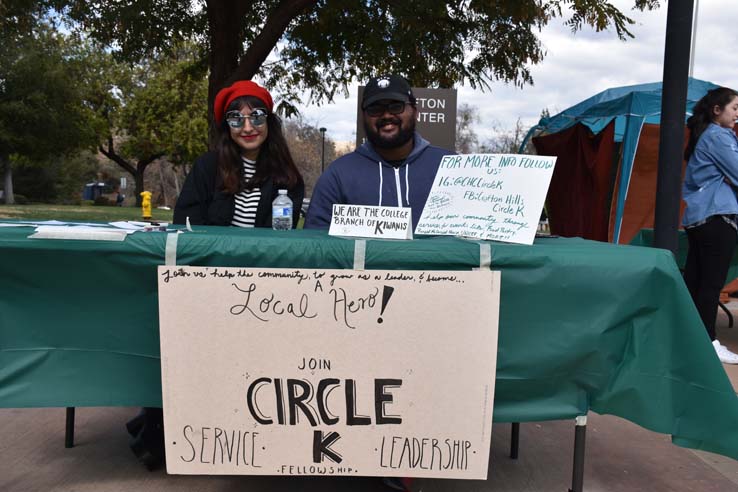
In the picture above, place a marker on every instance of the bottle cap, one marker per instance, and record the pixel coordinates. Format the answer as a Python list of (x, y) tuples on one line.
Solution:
[(282, 192)]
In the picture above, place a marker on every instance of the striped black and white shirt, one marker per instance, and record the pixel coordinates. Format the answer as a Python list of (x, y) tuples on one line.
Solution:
[(244, 213)]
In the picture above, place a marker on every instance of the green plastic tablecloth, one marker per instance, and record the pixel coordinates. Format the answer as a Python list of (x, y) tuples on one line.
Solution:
[(583, 325), (645, 238)]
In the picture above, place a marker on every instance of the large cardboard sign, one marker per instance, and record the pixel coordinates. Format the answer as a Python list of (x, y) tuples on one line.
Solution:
[(328, 372), (488, 196)]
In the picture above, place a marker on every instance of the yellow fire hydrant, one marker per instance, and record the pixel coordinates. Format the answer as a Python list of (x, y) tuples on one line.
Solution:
[(146, 205)]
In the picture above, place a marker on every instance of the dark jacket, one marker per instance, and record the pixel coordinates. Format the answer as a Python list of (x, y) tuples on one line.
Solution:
[(204, 202), (364, 178)]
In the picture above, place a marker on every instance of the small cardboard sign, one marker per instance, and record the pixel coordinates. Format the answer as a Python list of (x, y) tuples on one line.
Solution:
[(488, 196), (328, 372), (371, 222)]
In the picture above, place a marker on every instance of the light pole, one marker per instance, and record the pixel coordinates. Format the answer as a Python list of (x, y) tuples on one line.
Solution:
[(693, 44), (322, 151)]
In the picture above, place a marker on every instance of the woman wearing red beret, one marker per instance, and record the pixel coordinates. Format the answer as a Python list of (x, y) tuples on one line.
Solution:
[(233, 185), (236, 183)]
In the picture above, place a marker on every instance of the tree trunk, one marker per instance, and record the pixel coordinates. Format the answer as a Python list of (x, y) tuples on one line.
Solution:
[(8, 194), (137, 172), (224, 22), (175, 170), (140, 169), (138, 178), (162, 187), (225, 18)]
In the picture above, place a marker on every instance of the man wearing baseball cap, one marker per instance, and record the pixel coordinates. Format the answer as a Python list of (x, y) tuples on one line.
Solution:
[(395, 167)]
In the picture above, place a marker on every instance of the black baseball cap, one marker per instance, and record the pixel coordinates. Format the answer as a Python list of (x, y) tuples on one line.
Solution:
[(391, 87)]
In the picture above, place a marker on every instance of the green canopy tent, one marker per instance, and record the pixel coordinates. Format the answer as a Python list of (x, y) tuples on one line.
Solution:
[(601, 144)]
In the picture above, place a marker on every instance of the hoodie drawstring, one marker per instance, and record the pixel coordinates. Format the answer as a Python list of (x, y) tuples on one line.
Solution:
[(381, 180), (407, 184), (399, 191)]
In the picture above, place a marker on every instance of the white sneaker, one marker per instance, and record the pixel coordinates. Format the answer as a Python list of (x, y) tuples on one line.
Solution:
[(725, 355)]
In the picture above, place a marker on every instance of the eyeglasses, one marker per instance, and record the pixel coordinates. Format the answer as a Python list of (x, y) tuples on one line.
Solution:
[(377, 109), (235, 119)]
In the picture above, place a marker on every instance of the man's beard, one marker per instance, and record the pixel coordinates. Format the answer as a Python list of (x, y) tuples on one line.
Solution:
[(399, 139)]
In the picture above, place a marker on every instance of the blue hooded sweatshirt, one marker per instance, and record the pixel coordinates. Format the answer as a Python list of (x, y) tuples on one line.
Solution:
[(364, 178)]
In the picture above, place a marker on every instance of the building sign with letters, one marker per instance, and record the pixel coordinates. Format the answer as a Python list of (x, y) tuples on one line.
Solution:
[(328, 372), (488, 196)]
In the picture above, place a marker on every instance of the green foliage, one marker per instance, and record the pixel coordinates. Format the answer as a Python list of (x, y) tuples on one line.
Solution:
[(17, 18), (71, 173), (55, 180), (103, 82), (41, 102), (43, 111), (21, 199), (434, 44), (138, 28), (146, 110), (33, 180), (323, 45), (166, 111), (139, 88)]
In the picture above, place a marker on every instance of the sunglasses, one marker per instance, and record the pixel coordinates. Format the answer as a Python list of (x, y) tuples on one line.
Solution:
[(235, 119), (377, 109)]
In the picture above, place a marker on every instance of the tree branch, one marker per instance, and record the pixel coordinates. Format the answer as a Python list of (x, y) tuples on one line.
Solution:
[(142, 163), (273, 30), (113, 156)]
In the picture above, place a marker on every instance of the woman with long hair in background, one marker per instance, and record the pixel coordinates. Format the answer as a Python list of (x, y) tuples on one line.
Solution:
[(709, 191)]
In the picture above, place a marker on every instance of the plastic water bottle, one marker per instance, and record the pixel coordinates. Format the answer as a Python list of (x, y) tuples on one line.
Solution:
[(282, 212)]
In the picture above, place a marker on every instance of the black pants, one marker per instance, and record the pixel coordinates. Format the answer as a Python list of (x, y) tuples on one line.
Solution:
[(711, 248), (147, 431)]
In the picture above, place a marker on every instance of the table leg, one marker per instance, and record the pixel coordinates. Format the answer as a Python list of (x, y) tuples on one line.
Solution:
[(577, 476), (727, 313), (514, 440), (69, 436)]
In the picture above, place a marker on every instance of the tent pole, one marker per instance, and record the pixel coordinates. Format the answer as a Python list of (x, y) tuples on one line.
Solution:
[(693, 42), (671, 134)]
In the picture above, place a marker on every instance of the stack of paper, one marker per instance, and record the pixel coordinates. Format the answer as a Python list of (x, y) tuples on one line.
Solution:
[(80, 232)]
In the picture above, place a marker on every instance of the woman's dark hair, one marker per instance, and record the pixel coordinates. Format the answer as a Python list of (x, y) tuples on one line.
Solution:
[(274, 159), (702, 114)]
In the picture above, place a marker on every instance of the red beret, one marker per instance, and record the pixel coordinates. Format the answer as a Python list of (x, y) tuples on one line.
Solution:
[(241, 88)]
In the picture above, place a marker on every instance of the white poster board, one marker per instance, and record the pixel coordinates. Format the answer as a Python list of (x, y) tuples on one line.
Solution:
[(371, 221), (328, 372), (488, 196)]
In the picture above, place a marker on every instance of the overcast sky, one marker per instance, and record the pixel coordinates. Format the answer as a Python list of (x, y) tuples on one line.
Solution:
[(578, 66)]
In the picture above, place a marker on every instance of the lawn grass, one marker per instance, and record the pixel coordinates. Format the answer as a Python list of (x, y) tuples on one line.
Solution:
[(86, 213), (74, 213)]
